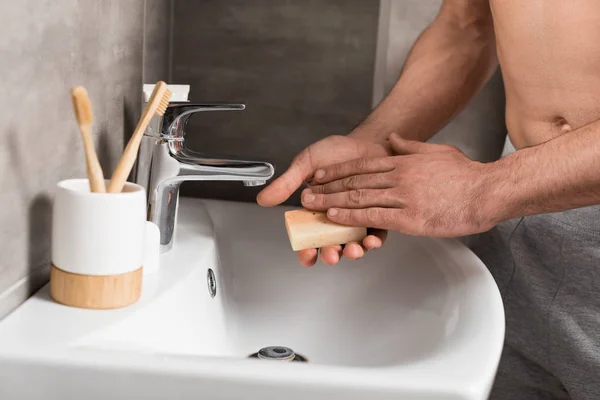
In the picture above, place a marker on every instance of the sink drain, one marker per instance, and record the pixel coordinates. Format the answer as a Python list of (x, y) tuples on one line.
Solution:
[(278, 353), (211, 281)]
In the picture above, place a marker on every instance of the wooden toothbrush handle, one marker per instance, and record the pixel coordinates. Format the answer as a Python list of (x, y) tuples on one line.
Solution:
[(94, 170), (119, 177), (157, 104)]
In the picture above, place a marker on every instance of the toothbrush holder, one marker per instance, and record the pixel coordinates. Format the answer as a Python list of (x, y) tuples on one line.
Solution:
[(98, 244)]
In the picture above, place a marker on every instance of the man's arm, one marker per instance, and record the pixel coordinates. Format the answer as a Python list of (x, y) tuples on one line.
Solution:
[(452, 59), (449, 63), (435, 190), (557, 175)]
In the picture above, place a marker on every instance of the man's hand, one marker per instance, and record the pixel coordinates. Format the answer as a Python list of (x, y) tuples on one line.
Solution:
[(331, 150), (427, 189)]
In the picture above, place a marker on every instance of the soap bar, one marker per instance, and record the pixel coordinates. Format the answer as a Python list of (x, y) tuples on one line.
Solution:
[(311, 229)]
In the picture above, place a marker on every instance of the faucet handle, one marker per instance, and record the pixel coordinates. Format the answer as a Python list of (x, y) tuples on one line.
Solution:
[(178, 113)]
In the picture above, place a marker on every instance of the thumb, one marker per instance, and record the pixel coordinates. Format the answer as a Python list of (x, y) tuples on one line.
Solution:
[(404, 147), (283, 187)]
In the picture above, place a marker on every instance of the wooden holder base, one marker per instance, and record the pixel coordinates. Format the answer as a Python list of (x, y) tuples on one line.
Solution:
[(92, 291)]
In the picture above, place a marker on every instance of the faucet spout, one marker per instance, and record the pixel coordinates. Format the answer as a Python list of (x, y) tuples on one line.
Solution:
[(193, 166), (164, 163)]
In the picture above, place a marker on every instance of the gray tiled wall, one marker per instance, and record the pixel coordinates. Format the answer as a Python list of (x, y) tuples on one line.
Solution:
[(303, 68), (45, 48), (157, 36)]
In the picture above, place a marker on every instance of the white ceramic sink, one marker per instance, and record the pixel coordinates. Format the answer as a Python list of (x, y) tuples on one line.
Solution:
[(418, 319)]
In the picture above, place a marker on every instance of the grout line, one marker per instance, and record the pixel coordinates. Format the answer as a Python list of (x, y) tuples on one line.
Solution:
[(170, 50), (381, 52), (144, 31)]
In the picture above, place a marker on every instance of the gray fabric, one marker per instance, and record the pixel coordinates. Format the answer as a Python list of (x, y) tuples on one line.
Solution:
[(547, 268)]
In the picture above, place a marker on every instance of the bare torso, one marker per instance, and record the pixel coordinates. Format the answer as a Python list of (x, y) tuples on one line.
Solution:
[(549, 52)]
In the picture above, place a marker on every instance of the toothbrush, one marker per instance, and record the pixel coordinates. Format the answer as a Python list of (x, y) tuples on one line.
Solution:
[(156, 105), (83, 113)]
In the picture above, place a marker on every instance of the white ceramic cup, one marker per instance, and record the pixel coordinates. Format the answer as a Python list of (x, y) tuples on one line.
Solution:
[(98, 233)]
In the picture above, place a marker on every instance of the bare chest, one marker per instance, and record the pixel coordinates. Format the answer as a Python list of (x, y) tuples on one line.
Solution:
[(549, 53)]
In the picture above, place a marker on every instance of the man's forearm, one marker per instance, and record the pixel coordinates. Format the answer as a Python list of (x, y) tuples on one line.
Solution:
[(558, 175), (448, 65)]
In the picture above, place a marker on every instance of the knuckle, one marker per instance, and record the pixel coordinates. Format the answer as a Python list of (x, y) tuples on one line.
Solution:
[(344, 216), (422, 225), (385, 179), (322, 200), (356, 197), (350, 182), (333, 170), (373, 215), (335, 137), (362, 163), (397, 173), (329, 139), (384, 163), (351, 217), (302, 156), (414, 223), (331, 188)]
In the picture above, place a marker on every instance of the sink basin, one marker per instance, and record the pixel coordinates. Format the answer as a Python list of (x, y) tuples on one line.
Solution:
[(420, 318)]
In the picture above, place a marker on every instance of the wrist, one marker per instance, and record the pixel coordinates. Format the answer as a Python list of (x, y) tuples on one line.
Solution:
[(364, 132), (487, 204), (367, 133), (498, 191)]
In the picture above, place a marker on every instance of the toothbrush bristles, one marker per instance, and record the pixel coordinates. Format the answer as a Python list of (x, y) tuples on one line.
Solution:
[(164, 102)]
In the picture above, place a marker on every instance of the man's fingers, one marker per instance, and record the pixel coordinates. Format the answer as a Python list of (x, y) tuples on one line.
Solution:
[(381, 218), (331, 254), (359, 166), (283, 187), (403, 147), (375, 239), (367, 181), (354, 251), (361, 198), (308, 257)]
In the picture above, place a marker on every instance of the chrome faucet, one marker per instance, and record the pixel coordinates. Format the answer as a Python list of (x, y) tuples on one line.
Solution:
[(164, 163)]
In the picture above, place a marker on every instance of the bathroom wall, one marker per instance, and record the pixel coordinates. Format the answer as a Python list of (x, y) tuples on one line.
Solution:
[(45, 48), (304, 68)]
